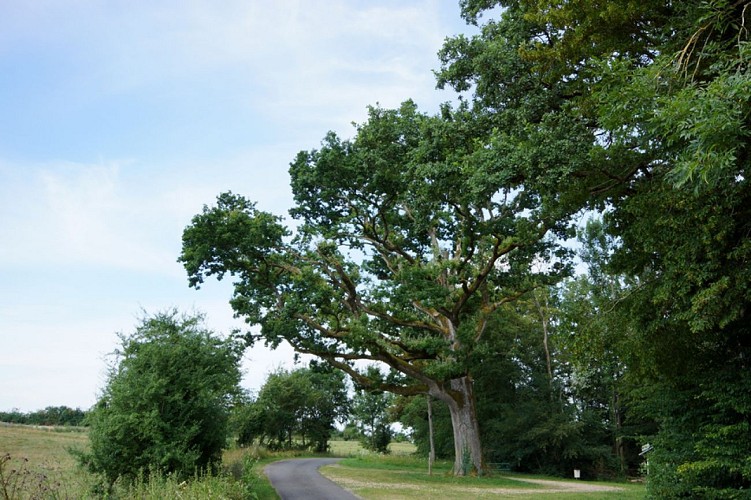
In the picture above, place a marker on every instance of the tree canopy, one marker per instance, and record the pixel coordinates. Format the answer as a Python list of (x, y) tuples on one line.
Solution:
[(664, 91), (410, 238)]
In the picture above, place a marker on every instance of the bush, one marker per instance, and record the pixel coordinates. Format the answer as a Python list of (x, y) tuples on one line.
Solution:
[(166, 403)]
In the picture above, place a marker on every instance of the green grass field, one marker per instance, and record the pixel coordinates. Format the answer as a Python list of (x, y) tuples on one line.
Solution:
[(35, 463)]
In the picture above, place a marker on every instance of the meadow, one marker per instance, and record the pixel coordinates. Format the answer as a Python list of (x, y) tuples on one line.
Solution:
[(35, 463)]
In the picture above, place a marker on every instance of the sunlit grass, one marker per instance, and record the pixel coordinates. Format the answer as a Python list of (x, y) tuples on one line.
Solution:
[(341, 448), (395, 477), (42, 445), (36, 459)]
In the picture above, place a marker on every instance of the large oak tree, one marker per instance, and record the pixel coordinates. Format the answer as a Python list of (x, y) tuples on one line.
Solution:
[(411, 235)]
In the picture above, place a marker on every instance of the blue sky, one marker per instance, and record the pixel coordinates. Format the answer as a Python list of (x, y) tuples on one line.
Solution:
[(119, 120)]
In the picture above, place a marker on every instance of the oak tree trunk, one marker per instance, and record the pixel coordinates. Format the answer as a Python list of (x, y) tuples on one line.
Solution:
[(460, 399)]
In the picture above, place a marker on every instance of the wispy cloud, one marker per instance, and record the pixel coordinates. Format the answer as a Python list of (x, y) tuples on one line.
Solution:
[(74, 214), (122, 119), (271, 57), (125, 215)]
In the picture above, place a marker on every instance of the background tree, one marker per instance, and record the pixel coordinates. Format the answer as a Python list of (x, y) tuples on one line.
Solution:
[(327, 403), (276, 412), (371, 412), (370, 409), (412, 412), (166, 403), (303, 403), (597, 335)]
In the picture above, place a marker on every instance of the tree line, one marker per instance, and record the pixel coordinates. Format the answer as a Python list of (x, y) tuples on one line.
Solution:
[(51, 415)]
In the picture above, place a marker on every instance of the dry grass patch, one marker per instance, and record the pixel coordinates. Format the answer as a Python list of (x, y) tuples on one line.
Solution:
[(36, 462), (42, 444), (42, 447)]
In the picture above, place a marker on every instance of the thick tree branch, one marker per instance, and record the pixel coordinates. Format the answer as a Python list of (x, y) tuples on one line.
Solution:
[(364, 381)]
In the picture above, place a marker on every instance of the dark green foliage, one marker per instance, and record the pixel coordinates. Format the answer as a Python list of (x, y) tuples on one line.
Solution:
[(166, 403), (536, 420), (51, 415), (304, 403), (690, 312), (528, 420), (660, 94)]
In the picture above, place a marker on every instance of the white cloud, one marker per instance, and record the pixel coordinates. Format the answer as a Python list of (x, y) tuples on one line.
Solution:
[(77, 214)]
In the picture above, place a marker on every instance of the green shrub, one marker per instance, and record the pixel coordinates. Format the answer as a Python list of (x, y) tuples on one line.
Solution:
[(166, 404)]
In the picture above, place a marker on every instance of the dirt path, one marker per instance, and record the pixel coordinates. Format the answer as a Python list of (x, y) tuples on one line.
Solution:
[(552, 486)]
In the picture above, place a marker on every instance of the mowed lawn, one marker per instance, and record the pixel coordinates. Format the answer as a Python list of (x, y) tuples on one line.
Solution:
[(404, 477), (401, 475)]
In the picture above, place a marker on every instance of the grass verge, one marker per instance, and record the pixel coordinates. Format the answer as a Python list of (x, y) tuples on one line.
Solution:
[(403, 477)]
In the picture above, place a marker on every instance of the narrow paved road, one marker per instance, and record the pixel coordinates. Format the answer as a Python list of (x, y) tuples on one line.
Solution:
[(299, 479)]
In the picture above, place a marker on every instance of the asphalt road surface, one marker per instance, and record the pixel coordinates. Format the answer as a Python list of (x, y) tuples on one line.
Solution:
[(299, 479)]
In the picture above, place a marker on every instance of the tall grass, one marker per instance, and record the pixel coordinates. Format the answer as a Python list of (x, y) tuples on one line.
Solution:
[(159, 486), (35, 463)]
